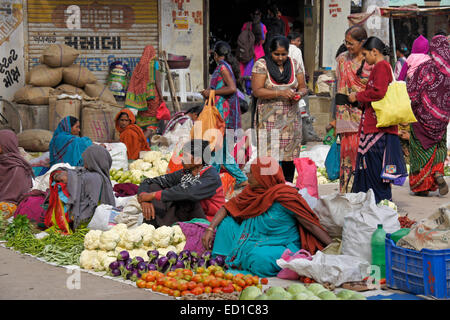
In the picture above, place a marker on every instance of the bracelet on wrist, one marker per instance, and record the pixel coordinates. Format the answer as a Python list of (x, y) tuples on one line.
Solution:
[(210, 229)]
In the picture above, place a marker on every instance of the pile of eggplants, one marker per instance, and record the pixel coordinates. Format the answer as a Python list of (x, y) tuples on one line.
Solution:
[(132, 269)]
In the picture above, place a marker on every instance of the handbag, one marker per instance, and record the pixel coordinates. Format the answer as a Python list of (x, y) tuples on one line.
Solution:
[(163, 113), (395, 107), (210, 125), (333, 161)]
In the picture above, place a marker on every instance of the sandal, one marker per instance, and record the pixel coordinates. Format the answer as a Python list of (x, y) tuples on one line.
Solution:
[(422, 194), (443, 187)]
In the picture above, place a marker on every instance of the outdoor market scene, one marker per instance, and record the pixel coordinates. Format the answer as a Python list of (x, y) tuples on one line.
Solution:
[(162, 151)]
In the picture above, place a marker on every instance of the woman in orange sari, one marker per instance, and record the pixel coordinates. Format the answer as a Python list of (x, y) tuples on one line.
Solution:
[(131, 134), (352, 74)]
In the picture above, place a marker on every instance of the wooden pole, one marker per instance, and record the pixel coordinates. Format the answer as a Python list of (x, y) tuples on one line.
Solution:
[(175, 101)]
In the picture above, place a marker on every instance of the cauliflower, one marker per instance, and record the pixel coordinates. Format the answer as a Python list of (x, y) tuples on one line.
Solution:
[(322, 180), (153, 173), (178, 235), (89, 260), (136, 165), (105, 258), (140, 253), (131, 239), (137, 174), (151, 156), (109, 240), (92, 239), (121, 228), (160, 166), (162, 237), (180, 246), (147, 233), (163, 251)]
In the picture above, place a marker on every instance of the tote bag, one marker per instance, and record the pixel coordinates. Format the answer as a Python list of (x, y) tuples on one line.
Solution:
[(332, 161), (208, 120), (395, 107)]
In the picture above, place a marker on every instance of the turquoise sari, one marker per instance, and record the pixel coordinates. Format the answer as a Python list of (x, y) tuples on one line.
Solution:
[(256, 243)]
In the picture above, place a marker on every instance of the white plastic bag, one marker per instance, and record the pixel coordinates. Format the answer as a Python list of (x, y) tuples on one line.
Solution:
[(331, 210), (310, 200), (334, 269), (361, 224), (318, 154), (118, 152), (103, 218)]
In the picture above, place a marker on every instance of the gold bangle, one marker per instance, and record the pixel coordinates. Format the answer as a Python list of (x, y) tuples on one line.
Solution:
[(210, 229)]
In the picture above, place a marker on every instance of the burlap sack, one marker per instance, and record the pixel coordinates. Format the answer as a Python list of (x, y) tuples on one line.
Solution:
[(61, 108), (35, 140), (431, 233), (70, 89), (98, 90), (32, 95), (97, 120), (59, 55), (44, 76), (78, 76)]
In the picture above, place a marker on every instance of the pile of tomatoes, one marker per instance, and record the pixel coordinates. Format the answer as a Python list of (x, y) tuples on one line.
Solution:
[(182, 282)]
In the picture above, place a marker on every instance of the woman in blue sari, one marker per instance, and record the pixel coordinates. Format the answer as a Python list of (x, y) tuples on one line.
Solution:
[(223, 82), (66, 145), (266, 218)]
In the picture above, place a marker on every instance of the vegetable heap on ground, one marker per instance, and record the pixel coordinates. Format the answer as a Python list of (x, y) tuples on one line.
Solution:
[(322, 177), (298, 291), (153, 164), (102, 247), (54, 247)]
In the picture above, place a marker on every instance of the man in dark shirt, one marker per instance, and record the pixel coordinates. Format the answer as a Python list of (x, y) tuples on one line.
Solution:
[(193, 192)]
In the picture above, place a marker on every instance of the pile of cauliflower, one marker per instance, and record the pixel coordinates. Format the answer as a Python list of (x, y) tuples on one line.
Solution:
[(153, 164), (102, 247)]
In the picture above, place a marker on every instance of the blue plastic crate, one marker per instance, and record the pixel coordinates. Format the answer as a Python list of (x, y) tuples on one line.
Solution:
[(425, 272)]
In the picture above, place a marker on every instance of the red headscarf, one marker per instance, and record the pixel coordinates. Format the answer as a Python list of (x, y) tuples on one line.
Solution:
[(129, 133), (252, 202)]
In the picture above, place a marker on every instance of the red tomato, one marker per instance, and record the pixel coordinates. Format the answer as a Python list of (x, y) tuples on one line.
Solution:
[(214, 283), (223, 283), (229, 276), (237, 288), (228, 289), (188, 272), (185, 292), (200, 270), (240, 282), (249, 281), (264, 281), (255, 279), (154, 287), (197, 291), (182, 286), (187, 277), (208, 289), (217, 290), (239, 275), (165, 290), (219, 274), (197, 278), (159, 288), (149, 285), (171, 274), (191, 285), (176, 293), (140, 283)]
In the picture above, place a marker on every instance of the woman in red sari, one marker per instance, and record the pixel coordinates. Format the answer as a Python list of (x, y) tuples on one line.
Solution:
[(352, 75)]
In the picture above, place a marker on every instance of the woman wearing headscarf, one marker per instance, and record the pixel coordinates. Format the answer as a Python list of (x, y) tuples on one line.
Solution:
[(75, 194), (266, 218), (223, 82), (429, 90), (352, 74), (66, 145), (276, 80), (419, 55), (144, 91), (16, 174), (131, 134)]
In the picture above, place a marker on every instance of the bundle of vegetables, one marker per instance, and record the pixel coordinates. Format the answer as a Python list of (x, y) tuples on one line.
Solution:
[(388, 203), (185, 282), (125, 265), (406, 222), (103, 247), (298, 291), (322, 177), (54, 247)]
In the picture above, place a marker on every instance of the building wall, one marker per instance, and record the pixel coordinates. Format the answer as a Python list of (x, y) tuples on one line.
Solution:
[(182, 33), (312, 38), (12, 73)]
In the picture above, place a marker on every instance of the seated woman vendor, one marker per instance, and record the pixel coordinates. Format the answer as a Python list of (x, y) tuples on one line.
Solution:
[(131, 134), (66, 145), (193, 192), (266, 218), (76, 193), (16, 174)]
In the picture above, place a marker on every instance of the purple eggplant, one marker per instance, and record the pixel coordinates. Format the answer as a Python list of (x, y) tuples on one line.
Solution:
[(121, 264), (194, 254), (201, 262), (152, 267), (142, 267), (123, 255), (220, 261), (194, 262), (172, 255), (179, 265), (185, 254), (206, 256), (134, 275), (137, 260), (162, 262), (115, 272), (153, 254), (114, 265)]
